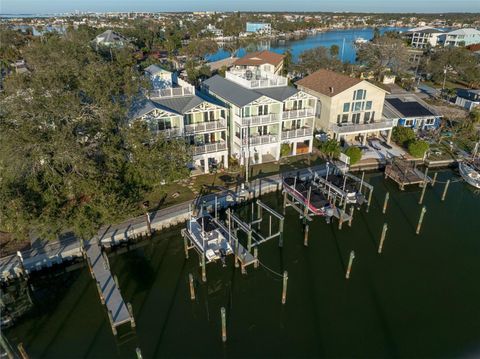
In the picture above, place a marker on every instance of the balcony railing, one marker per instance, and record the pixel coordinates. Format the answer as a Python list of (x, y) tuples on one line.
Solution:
[(171, 132), (172, 92), (300, 132), (206, 126), (304, 112), (253, 79), (361, 127), (260, 119), (209, 148), (257, 140)]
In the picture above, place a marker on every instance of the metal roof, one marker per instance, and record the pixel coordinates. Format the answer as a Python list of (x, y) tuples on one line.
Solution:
[(278, 93)]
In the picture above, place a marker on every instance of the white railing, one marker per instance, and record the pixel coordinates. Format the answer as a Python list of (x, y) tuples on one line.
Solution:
[(210, 147), (259, 140), (361, 127), (172, 92), (304, 112), (256, 79), (259, 120), (171, 132), (206, 126), (300, 132)]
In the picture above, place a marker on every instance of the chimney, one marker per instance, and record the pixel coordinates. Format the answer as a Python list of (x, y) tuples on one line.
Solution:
[(331, 89)]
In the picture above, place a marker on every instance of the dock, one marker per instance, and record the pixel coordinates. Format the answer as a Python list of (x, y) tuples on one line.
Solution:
[(405, 173), (108, 289)]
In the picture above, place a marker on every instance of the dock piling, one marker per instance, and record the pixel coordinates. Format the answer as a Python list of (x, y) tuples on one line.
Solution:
[(204, 269), (224, 324), (139, 353), (284, 291), (255, 255), (420, 220), (352, 209), (192, 287), (434, 180), (385, 202), (420, 201), (445, 190), (382, 239), (350, 263), (280, 239), (369, 200), (185, 243), (132, 319), (305, 238)]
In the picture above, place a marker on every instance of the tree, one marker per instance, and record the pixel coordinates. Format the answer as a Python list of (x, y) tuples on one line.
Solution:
[(403, 135), (314, 59), (198, 49), (417, 148), (330, 148), (285, 149), (287, 61), (355, 154), (334, 50), (475, 115)]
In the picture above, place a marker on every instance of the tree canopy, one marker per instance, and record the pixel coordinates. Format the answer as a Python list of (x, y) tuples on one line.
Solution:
[(317, 58)]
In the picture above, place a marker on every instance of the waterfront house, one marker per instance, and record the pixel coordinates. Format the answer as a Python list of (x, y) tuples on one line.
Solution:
[(266, 61), (110, 38), (263, 28), (348, 109), (421, 37), (264, 115), (468, 98), (408, 110), (461, 37), (177, 111)]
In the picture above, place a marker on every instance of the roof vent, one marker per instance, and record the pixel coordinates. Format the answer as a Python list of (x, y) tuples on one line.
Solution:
[(331, 89)]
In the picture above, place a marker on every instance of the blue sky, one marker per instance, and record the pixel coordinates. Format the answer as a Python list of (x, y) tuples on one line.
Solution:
[(56, 6)]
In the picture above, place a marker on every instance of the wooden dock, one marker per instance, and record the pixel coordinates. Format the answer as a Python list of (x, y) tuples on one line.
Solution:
[(118, 311), (405, 173)]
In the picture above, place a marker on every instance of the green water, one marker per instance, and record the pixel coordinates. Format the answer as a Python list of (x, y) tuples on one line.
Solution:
[(420, 298)]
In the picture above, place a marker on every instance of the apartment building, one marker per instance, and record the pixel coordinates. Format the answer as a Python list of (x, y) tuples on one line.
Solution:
[(265, 115), (267, 61), (421, 37), (348, 109), (174, 109)]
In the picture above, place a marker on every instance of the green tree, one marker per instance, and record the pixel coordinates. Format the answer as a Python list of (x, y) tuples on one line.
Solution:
[(334, 50), (403, 135), (285, 149), (314, 59), (331, 148), (287, 61), (417, 148), (355, 154)]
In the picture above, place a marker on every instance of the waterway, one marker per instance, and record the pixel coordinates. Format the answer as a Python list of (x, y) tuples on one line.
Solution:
[(342, 38), (419, 298)]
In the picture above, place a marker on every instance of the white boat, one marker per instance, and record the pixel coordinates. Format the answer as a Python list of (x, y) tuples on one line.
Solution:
[(360, 40), (469, 174)]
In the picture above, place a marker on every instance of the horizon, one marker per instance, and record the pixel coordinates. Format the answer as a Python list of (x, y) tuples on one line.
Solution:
[(50, 7)]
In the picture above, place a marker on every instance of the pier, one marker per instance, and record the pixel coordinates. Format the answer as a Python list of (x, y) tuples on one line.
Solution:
[(405, 173)]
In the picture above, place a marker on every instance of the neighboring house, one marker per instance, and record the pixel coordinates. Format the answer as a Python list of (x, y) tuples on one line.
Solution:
[(421, 37), (468, 99), (264, 114), (348, 109), (159, 77), (266, 61), (212, 29), (178, 112), (461, 37), (408, 110), (263, 28), (110, 38)]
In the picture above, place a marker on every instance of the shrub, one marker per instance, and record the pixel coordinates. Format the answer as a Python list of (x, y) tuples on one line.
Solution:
[(355, 154), (418, 148), (403, 135), (331, 148), (285, 150)]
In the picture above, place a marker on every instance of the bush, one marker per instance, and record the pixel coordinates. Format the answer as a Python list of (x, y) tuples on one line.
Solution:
[(418, 148), (403, 135), (331, 148), (355, 154), (285, 150)]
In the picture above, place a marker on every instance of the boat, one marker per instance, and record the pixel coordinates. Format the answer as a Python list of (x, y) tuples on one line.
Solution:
[(318, 203), (360, 40), (208, 238), (469, 174)]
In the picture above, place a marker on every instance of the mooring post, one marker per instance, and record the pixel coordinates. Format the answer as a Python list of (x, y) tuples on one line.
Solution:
[(361, 182), (149, 223), (340, 219), (280, 239), (445, 190), (369, 199), (185, 243), (305, 238), (270, 226), (284, 291), (255, 255), (224, 324), (420, 220), (216, 207), (204, 269), (385, 202), (192, 287), (350, 262), (352, 209), (259, 210), (284, 201), (249, 240), (382, 238), (434, 178), (22, 351), (132, 319), (424, 188), (139, 353)]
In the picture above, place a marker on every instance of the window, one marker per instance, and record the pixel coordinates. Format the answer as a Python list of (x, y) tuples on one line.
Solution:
[(358, 106), (345, 118), (408, 122), (188, 119), (246, 111), (356, 118), (359, 95), (263, 110), (366, 117), (346, 107), (368, 105), (430, 121)]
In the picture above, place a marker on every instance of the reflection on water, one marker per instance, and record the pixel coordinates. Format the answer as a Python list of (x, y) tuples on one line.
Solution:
[(418, 299)]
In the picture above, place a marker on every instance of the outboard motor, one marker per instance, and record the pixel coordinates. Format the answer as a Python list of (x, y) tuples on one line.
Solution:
[(223, 256)]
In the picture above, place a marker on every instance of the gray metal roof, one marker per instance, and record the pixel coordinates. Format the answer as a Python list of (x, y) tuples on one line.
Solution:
[(278, 93), (153, 69), (110, 36), (230, 91)]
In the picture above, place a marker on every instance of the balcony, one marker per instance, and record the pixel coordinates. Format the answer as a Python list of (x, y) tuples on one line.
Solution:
[(304, 112), (172, 92), (171, 132), (260, 120), (209, 148), (257, 140), (345, 128), (256, 79), (299, 132), (206, 126)]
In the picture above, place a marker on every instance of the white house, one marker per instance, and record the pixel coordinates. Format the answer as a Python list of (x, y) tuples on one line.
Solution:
[(422, 37), (468, 98), (461, 37), (266, 61)]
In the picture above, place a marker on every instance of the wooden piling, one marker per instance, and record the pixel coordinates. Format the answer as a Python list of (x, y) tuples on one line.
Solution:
[(340, 219), (352, 209), (224, 324), (305, 237), (280, 239), (132, 319), (382, 238), (284, 291), (192, 287), (385, 202), (434, 178), (204, 269), (270, 225), (361, 182), (350, 263), (424, 188), (284, 202), (420, 220), (249, 240), (445, 190), (369, 199), (185, 244), (255, 255), (139, 353), (22, 351)]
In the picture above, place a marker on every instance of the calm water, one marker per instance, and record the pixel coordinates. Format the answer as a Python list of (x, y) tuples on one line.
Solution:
[(418, 299), (325, 39)]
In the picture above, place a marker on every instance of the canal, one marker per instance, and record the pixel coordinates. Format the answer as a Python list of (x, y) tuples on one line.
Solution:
[(419, 298), (326, 39)]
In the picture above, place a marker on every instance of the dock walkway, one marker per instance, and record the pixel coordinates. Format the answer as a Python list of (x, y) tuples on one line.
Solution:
[(106, 284)]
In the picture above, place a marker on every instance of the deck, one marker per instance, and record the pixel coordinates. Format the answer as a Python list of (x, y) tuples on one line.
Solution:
[(405, 173)]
